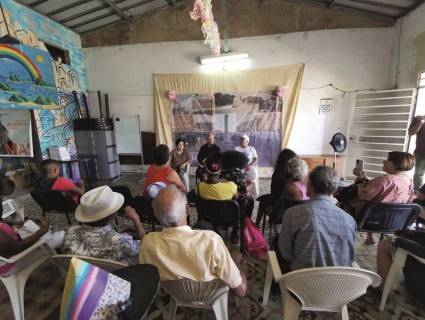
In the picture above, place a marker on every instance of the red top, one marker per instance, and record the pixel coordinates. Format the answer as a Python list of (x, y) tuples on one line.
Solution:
[(156, 174), (9, 231), (66, 185)]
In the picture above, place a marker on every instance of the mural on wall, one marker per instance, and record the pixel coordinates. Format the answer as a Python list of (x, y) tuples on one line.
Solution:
[(31, 79), (230, 115)]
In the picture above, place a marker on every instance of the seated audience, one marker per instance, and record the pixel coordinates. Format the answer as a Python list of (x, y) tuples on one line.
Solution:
[(317, 233), (296, 188), (97, 237), (180, 252), (160, 174), (53, 181), (180, 159), (394, 187), (278, 184)]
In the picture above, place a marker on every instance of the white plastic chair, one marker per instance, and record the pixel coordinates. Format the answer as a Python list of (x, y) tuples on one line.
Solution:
[(61, 261), (24, 264), (396, 268), (201, 295), (327, 289)]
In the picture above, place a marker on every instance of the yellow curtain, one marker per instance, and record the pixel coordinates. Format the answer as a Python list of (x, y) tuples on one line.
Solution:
[(226, 82)]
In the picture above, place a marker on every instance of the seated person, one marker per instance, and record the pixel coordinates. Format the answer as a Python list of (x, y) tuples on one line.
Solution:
[(296, 188), (52, 181), (317, 233), (180, 252), (97, 237), (394, 187), (180, 159), (160, 173)]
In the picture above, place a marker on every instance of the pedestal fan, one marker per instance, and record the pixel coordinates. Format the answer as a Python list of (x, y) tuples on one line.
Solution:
[(339, 144)]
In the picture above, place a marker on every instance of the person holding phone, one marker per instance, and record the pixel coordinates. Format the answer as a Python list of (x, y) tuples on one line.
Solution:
[(417, 128)]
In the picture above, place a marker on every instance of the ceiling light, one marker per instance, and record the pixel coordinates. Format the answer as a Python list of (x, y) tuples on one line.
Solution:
[(224, 57)]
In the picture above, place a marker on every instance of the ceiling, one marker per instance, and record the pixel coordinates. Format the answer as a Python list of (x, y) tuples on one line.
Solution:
[(87, 15)]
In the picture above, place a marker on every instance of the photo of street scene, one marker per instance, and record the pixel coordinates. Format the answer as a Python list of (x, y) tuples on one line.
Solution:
[(230, 115)]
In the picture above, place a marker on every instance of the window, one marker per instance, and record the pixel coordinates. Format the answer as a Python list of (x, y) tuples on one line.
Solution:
[(57, 52)]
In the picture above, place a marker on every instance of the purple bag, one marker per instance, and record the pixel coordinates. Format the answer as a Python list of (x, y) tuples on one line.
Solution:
[(254, 241)]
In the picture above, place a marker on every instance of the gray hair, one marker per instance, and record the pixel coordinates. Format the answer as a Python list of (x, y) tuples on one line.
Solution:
[(297, 169), (170, 209), (323, 180)]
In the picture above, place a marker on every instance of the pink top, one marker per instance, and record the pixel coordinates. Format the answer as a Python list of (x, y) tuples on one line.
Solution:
[(66, 185), (297, 190), (8, 230), (389, 188)]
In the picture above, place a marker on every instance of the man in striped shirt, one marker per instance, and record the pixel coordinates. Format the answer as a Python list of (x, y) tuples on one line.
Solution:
[(317, 233)]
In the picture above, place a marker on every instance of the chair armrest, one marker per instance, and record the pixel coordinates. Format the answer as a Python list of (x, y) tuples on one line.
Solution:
[(411, 246), (274, 265), (23, 254)]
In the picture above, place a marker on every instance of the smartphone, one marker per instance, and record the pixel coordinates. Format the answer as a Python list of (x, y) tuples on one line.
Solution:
[(359, 164)]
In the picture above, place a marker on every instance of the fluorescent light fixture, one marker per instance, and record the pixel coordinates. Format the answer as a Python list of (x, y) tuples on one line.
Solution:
[(235, 65), (224, 57)]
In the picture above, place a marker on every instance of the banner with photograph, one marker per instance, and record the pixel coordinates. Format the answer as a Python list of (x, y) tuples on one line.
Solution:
[(15, 133), (230, 115)]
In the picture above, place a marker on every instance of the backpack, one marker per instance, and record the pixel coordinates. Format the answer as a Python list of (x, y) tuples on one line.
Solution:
[(254, 241)]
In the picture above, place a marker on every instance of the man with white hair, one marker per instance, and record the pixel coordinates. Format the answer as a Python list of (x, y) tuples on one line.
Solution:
[(180, 252)]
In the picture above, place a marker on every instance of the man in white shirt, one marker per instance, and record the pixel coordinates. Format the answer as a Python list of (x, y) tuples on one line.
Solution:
[(180, 252)]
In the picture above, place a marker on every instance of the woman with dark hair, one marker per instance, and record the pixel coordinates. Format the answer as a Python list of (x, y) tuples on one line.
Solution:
[(394, 187), (6, 145), (180, 160), (160, 173), (280, 178)]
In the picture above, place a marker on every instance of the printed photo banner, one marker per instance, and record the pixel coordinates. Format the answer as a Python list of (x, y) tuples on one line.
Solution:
[(260, 103), (15, 133), (230, 115)]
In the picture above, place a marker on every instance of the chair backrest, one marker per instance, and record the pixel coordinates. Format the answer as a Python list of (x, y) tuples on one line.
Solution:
[(388, 217), (62, 262), (51, 200), (224, 213), (329, 288), (195, 293)]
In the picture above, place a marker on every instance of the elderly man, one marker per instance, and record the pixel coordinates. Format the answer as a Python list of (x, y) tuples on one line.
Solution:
[(210, 149), (180, 252), (317, 233)]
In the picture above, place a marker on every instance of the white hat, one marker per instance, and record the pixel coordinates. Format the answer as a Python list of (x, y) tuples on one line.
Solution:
[(246, 137), (98, 204)]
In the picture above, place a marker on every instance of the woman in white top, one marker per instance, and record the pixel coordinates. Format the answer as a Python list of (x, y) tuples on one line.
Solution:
[(252, 169)]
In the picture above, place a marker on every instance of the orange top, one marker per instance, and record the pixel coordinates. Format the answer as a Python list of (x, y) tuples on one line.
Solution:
[(156, 174)]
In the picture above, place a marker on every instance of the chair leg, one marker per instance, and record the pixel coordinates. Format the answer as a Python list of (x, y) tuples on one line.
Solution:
[(153, 225), (68, 218), (396, 267), (220, 307), (172, 309), (264, 222), (267, 284), (344, 313), (241, 243), (15, 286), (291, 307)]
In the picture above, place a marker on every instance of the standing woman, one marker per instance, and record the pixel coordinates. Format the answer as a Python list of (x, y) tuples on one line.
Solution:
[(252, 168), (180, 161)]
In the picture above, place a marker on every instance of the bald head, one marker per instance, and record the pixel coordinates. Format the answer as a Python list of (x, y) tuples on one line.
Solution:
[(169, 207)]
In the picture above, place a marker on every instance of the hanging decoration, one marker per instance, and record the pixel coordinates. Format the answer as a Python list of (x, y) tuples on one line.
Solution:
[(202, 9), (172, 95)]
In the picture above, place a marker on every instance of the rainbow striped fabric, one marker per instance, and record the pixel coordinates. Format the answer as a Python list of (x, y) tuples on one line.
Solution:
[(92, 293)]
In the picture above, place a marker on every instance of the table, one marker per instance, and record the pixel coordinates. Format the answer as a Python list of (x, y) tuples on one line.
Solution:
[(145, 281)]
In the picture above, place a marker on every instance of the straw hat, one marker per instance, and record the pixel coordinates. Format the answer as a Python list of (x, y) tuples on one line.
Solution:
[(98, 204)]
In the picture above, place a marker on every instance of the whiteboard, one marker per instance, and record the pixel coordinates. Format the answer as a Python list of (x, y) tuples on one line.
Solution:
[(127, 134)]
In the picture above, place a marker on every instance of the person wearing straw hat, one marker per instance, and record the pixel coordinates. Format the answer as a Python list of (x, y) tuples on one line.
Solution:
[(251, 170), (97, 237)]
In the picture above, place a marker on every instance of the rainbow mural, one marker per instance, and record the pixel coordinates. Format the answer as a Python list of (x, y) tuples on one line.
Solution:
[(7, 51)]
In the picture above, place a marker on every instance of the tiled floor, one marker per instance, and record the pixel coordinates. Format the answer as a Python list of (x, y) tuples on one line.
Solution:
[(44, 289)]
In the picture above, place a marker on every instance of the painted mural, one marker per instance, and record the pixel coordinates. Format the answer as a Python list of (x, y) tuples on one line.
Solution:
[(31, 79)]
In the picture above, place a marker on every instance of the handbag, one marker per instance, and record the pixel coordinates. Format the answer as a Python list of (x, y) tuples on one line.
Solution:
[(254, 241)]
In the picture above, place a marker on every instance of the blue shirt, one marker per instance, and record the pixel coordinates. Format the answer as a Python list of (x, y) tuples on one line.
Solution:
[(317, 234)]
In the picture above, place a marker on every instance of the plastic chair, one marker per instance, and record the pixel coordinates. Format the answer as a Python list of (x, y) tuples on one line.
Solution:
[(405, 247), (52, 201), (386, 218), (24, 264), (201, 295), (327, 289), (221, 213), (61, 261)]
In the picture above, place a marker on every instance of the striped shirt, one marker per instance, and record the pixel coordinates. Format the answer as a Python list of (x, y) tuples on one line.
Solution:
[(317, 234)]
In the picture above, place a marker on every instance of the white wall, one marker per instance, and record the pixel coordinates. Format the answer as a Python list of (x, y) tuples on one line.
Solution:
[(351, 59), (412, 47)]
